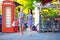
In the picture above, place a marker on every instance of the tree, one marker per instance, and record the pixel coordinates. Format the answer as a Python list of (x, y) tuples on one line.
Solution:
[(27, 4)]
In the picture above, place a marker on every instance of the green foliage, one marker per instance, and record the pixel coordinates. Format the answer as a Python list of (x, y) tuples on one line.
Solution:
[(30, 4), (50, 13), (16, 13)]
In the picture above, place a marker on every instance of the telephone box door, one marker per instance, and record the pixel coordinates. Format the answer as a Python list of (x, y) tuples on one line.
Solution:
[(7, 16)]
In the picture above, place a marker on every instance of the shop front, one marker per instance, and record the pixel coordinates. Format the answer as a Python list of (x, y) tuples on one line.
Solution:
[(46, 16)]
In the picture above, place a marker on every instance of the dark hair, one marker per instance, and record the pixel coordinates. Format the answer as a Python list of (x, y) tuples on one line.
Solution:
[(18, 9), (31, 10)]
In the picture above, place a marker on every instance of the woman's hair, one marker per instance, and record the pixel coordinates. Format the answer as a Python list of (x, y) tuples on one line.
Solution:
[(31, 10), (18, 9)]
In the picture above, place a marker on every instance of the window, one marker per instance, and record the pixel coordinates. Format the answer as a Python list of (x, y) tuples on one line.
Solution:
[(7, 16)]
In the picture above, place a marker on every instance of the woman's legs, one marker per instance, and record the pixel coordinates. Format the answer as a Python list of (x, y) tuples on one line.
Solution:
[(30, 30), (21, 30)]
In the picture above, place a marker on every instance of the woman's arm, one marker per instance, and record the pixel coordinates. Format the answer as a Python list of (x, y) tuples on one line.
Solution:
[(19, 17), (25, 19)]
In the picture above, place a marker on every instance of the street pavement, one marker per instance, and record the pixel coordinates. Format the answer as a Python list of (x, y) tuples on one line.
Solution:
[(35, 36)]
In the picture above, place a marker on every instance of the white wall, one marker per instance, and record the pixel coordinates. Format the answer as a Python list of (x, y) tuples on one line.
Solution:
[(36, 16)]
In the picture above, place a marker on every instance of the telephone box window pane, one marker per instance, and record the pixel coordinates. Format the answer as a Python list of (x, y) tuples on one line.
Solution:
[(7, 16)]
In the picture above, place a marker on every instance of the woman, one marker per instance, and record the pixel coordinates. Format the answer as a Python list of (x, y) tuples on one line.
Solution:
[(29, 21), (21, 21)]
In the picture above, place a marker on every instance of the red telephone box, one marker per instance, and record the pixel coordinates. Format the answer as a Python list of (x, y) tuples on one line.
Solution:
[(7, 16)]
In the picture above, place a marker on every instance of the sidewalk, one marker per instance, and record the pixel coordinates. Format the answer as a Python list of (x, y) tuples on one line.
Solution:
[(35, 36)]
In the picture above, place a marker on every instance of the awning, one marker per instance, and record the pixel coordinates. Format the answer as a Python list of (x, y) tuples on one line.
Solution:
[(17, 4), (45, 1)]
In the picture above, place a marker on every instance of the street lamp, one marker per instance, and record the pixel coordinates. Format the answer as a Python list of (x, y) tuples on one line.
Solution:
[(34, 2)]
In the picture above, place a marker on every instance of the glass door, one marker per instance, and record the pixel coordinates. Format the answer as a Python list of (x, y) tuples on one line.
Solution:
[(7, 16)]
